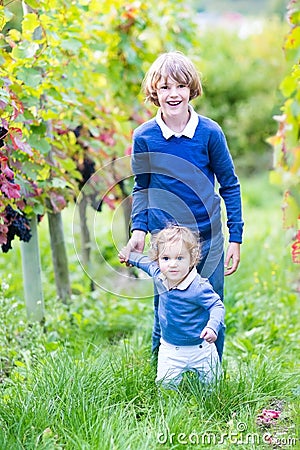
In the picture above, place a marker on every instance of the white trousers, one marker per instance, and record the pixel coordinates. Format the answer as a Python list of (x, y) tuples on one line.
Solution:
[(173, 361)]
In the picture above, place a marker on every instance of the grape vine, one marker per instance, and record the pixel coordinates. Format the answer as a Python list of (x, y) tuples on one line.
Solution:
[(75, 64), (286, 141), (17, 225)]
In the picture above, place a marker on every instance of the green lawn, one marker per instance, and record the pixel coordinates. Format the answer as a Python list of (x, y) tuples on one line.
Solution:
[(84, 380)]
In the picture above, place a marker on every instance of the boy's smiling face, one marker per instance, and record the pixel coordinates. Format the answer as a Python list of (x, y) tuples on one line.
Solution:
[(174, 261), (173, 97)]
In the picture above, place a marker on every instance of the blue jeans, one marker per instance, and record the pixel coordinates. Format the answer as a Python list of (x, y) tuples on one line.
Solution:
[(211, 266)]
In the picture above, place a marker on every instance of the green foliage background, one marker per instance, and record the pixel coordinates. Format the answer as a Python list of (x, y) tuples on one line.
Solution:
[(254, 7), (83, 379), (240, 77)]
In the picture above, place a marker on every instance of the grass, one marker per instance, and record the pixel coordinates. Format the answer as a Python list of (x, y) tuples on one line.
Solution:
[(85, 381)]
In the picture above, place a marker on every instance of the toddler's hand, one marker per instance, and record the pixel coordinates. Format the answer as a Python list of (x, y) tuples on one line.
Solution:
[(122, 255), (208, 335), (136, 243)]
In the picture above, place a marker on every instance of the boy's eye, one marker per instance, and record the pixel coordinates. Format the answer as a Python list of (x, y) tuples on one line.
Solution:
[(165, 258), (182, 86), (180, 258)]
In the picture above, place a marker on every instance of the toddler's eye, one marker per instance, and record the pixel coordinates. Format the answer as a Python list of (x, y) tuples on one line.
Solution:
[(165, 258), (180, 258)]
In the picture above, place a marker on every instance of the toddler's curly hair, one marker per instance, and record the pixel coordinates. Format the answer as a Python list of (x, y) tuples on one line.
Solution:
[(174, 233)]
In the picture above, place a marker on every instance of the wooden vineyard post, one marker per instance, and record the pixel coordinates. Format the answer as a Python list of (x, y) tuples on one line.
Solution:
[(31, 266), (59, 257)]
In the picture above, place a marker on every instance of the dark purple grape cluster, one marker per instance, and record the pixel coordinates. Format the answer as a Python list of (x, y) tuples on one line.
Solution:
[(18, 225), (87, 169), (3, 133)]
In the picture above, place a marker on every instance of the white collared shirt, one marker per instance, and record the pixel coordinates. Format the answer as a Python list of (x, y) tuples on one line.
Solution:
[(184, 284), (188, 131)]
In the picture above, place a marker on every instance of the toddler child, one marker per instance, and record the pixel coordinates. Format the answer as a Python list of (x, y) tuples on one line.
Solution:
[(190, 312)]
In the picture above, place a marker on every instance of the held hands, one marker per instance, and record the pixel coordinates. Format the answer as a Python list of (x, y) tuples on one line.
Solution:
[(121, 255), (208, 335), (232, 258), (136, 243)]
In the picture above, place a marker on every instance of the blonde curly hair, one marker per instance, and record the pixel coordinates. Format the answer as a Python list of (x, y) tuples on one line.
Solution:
[(174, 233), (177, 67)]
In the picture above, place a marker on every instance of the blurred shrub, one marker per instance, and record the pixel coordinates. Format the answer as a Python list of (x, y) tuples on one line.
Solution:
[(240, 77)]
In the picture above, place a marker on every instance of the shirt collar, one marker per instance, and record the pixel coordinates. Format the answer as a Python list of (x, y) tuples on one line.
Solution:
[(184, 283), (189, 130)]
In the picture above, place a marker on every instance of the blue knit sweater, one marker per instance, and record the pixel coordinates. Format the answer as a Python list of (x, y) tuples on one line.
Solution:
[(183, 312), (175, 180)]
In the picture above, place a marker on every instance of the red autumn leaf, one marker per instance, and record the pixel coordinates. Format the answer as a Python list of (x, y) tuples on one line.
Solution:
[(17, 105), (3, 104), (267, 417), (20, 204), (3, 160), (109, 201), (11, 190), (107, 138), (296, 249), (8, 172), (3, 233), (16, 138), (58, 202), (271, 413)]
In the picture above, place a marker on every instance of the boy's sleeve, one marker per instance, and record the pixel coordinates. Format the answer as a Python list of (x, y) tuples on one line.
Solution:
[(222, 164), (141, 171)]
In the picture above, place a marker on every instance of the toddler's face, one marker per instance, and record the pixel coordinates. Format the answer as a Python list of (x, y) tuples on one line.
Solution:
[(174, 261)]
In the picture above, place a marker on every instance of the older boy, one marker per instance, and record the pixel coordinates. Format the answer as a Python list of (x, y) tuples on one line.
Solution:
[(177, 158)]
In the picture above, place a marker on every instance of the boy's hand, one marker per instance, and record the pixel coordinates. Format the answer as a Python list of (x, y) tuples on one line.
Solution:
[(135, 244), (232, 258), (208, 335)]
